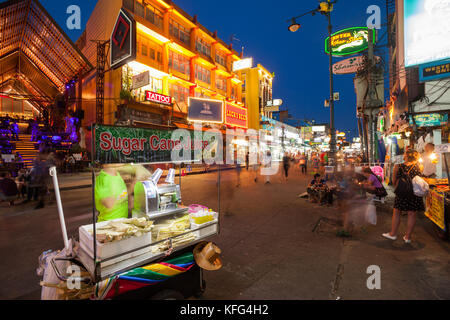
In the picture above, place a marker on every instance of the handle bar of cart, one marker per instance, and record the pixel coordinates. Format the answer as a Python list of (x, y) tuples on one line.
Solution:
[(61, 277)]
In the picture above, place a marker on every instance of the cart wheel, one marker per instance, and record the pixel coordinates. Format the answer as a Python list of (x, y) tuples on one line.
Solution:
[(168, 295), (202, 290), (441, 234)]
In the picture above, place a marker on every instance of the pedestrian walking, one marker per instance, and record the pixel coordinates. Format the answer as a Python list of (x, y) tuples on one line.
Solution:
[(15, 131), (247, 160), (303, 164), (405, 199), (267, 164), (286, 165), (315, 164)]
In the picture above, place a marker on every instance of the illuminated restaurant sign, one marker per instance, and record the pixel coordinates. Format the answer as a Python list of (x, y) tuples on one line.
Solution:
[(429, 120), (236, 116), (349, 41), (158, 98)]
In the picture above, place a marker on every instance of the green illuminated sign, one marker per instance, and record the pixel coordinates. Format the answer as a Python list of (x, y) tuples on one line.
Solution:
[(349, 41)]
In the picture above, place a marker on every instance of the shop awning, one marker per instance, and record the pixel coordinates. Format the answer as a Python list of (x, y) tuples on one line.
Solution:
[(37, 58)]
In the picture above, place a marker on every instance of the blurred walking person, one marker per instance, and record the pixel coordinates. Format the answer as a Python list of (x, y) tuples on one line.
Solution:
[(286, 165), (303, 164)]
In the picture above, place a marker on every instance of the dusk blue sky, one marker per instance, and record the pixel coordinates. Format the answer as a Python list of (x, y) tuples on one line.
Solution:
[(298, 59)]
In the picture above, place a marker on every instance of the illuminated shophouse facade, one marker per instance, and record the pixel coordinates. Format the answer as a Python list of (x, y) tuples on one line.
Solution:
[(256, 92), (175, 58)]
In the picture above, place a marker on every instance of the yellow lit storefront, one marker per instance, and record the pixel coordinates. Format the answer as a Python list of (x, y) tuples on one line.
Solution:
[(175, 56)]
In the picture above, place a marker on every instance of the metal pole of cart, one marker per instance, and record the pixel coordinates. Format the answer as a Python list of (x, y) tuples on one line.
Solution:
[(94, 227), (53, 174), (218, 194), (446, 224)]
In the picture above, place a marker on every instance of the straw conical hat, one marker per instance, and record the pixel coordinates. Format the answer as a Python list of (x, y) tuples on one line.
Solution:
[(207, 256)]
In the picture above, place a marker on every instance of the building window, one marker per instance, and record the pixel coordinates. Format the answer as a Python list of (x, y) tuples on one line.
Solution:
[(179, 93), (179, 32), (150, 50), (179, 63), (129, 4), (139, 9), (202, 74), (144, 50), (221, 59), (221, 83), (154, 16), (203, 46), (233, 92), (146, 11)]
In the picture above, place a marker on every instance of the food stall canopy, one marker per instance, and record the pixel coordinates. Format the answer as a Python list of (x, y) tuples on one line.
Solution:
[(36, 57)]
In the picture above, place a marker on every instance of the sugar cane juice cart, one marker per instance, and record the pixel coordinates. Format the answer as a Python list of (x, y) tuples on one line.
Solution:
[(154, 254)]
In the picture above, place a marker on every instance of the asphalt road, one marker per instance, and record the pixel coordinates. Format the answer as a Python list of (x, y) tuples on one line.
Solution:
[(275, 245)]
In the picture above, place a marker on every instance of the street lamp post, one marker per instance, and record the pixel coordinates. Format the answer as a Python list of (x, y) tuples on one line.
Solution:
[(324, 8)]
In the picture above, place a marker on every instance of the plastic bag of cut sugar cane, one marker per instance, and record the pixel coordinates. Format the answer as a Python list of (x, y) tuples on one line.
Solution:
[(371, 214)]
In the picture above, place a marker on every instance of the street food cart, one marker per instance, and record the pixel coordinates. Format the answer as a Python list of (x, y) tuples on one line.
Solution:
[(438, 199), (155, 253)]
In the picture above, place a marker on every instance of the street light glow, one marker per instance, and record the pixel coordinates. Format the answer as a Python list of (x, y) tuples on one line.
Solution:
[(294, 26)]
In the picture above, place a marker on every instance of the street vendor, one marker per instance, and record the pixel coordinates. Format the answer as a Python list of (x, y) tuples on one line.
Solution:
[(429, 160), (111, 192)]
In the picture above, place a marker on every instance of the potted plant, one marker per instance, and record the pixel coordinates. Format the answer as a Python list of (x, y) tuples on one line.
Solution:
[(125, 96)]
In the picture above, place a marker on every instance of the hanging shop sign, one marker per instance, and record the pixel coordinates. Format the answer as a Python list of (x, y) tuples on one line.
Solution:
[(274, 103), (442, 148), (272, 109), (158, 98), (123, 40), (429, 119), (141, 80), (115, 144), (236, 116), (434, 71), (426, 31), (435, 208), (126, 114), (242, 64), (318, 129), (350, 65), (349, 41), (205, 110)]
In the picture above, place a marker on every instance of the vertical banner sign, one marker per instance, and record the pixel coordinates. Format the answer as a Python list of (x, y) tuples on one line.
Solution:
[(435, 208), (123, 40), (113, 144)]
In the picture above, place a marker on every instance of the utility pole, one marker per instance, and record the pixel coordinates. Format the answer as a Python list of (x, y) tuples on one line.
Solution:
[(372, 101), (332, 128), (100, 82)]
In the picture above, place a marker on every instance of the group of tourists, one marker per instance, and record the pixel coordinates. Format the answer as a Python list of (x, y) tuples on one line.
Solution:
[(353, 192)]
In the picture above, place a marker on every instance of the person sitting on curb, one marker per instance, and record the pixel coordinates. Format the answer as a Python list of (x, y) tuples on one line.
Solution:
[(315, 188)]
